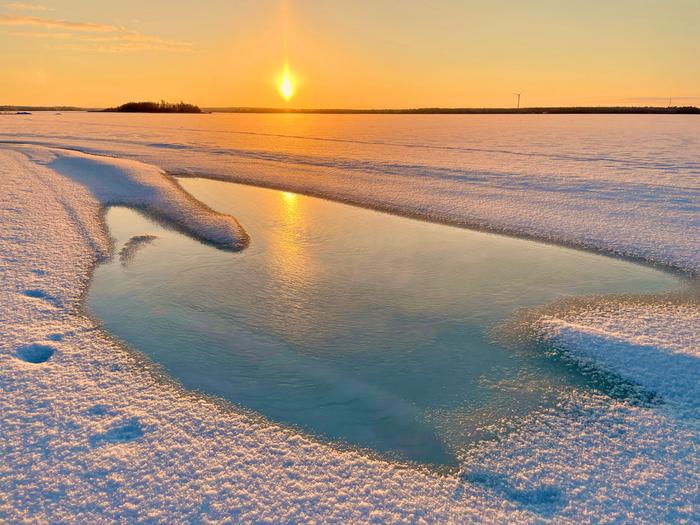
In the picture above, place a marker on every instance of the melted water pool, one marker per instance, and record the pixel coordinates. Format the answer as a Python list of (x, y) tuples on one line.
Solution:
[(354, 325)]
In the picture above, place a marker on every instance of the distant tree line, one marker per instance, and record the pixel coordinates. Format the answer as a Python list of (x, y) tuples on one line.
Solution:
[(40, 108), (673, 110), (156, 107)]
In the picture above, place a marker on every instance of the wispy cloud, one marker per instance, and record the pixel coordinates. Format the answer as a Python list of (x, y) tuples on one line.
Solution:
[(93, 37), (37, 34), (125, 36), (27, 7), (122, 47), (13, 20)]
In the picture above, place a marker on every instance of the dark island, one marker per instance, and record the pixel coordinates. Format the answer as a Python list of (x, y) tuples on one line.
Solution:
[(593, 110), (155, 107)]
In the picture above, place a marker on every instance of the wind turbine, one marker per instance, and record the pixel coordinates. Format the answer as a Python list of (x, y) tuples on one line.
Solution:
[(518, 95)]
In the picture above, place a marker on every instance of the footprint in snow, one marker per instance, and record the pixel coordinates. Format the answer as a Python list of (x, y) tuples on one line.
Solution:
[(123, 432), (98, 410), (35, 353), (543, 499), (37, 293)]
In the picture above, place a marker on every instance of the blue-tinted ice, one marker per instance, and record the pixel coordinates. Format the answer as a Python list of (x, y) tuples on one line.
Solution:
[(354, 325)]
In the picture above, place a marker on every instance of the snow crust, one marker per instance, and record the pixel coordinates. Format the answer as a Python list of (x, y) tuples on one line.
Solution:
[(93, 434)]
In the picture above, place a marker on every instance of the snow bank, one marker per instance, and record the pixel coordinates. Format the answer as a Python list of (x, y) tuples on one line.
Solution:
[(653, 344), (131, 183)]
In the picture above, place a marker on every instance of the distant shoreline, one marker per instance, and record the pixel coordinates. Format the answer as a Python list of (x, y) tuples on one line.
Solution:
[(582, 110), (43, 108), (574, 110)]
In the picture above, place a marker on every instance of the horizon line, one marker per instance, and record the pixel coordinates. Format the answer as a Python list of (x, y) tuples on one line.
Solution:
[(457, 110), (676, 109)]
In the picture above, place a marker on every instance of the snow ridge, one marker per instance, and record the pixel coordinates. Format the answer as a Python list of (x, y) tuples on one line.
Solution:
[(131, 183), (655, 346)]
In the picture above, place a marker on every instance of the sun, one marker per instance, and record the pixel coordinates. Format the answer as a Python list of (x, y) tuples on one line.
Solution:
[(286, 84)]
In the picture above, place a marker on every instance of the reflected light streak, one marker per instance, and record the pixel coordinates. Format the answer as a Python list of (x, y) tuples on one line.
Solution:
[(292, 267)]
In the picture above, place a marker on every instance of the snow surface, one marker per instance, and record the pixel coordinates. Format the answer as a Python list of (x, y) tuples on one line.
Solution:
[(129, 183), (655, 345), (93, 434)]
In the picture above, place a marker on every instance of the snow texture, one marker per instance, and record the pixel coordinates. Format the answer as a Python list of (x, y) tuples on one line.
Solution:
[(657, 346), (132, 183), (93, 434)]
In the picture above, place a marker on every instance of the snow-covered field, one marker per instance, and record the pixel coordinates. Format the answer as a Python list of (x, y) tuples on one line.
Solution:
[(92, 434)]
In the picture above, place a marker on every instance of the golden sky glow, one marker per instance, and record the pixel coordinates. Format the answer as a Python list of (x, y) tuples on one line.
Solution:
[(368, 53)]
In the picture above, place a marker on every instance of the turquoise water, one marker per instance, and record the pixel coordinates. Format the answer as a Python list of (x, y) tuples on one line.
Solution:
[(356, 326)]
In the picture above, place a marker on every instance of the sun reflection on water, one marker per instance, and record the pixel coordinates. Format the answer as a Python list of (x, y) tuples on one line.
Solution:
[(291, 266), (291, 259)]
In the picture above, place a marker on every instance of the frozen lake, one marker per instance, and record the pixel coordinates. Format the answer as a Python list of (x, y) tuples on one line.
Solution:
[(626, 184), (354, 325)]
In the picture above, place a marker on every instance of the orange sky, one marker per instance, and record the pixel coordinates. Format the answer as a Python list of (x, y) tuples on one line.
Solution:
[(378, 53)]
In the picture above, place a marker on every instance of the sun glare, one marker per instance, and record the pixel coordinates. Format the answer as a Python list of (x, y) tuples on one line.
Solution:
[(286, 84)]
